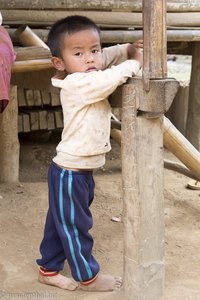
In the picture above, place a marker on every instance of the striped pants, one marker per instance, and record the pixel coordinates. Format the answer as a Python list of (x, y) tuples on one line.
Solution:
[(66, 233)]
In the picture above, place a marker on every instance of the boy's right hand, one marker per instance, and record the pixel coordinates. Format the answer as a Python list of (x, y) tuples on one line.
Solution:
[(135, 51)]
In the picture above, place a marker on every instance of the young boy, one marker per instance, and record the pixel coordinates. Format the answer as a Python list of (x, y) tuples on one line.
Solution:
[(85, 85)]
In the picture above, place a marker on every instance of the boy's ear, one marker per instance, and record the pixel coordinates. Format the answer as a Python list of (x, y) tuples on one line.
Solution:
[(58, 63)]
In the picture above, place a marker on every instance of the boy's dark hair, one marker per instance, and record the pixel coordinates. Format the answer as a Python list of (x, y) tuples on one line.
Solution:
[(68, 25)]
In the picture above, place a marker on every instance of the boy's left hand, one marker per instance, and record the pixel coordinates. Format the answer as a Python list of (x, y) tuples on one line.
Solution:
[(134, 48)]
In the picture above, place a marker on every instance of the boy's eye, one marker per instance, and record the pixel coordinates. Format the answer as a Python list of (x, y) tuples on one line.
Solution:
[(95, 50), (78, 54)]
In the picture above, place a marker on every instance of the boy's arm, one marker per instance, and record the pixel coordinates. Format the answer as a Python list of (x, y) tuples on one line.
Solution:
[(88, 88), (115, 55)]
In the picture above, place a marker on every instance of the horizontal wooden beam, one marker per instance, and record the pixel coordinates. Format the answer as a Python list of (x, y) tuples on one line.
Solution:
[(126, 36), (102, 18), (31, 53), (31, 65), (120, 5)]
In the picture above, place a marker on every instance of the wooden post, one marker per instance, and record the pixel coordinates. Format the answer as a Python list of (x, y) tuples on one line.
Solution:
[(193, 122), (142, 165), (9, 144), (142, 173)]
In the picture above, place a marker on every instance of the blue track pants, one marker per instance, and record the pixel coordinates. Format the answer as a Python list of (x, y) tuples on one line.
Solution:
[(66, 233)]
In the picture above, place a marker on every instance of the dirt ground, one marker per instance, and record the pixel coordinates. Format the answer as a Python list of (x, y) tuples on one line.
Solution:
[(23, 209)]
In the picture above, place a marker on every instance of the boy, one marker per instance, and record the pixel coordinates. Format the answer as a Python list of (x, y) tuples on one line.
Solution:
[(85, 85)]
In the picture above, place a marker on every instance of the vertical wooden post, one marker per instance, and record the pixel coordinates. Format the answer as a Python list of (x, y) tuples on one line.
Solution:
[(142, 166), (142, 173), (9, 144), (193, 121), (155, 40)]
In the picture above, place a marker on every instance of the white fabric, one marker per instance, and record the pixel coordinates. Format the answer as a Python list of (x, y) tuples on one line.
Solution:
[(87, 113), (0, 18)]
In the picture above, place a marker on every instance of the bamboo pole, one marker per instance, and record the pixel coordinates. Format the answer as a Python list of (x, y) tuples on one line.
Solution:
[(120, 5), (102, 18), (180, 168), (174, 141), (31, 65), (28, 38), (181, 148), (127, 36), (31, 53)]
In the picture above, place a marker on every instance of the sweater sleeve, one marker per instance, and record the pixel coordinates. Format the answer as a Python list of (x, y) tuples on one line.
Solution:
[(88, 88), (114, 55)]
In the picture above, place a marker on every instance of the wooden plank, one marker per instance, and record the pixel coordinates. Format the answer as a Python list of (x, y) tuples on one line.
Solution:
[(43, 119), (37, 97), (50, 120), (40, 80), (26, 123), (122, 5), (20, 122), (21, 97), (46, 98), (59, 119), (34, 121), (9, 144), (29, 97), (55, 99)]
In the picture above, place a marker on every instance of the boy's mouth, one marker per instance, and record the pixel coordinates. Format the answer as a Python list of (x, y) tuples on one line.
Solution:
[(91, 69)]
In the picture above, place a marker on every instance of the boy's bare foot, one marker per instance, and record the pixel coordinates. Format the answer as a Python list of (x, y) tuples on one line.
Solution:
[(103, 283), (60, 281)]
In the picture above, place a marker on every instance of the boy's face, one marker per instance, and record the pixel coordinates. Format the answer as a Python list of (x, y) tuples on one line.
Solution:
[(81, 52)]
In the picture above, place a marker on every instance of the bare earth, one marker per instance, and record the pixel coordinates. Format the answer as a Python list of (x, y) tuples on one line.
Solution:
[(23, 209)]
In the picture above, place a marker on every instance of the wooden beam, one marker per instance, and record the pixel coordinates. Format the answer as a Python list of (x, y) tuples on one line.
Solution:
[(31, 53), (193, 121), (111, 37), (102, 18), (48, 17), (31, 65), (9, 150), (120, 5)]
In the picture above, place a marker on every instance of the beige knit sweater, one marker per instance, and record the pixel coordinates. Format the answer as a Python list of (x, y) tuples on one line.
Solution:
[(87, 112)]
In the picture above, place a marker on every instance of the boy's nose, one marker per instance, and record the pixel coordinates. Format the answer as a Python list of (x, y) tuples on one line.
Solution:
[(89, 57)]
